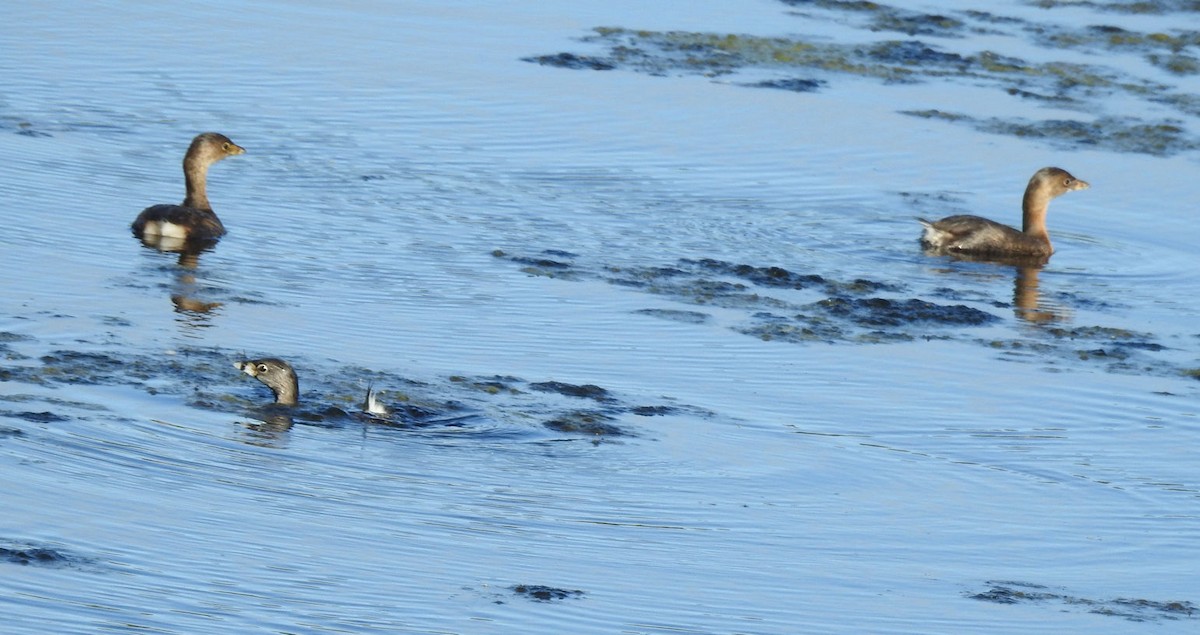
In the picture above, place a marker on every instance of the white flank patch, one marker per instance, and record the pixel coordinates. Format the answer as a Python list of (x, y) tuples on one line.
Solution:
[(152, 228), (171, 230), (165, 230)]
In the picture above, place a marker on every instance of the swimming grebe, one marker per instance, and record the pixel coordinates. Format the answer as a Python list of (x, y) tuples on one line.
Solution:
[(194, 219), (276, 374), (978, 236)]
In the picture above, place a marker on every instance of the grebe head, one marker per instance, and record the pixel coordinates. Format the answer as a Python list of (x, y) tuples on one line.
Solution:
[(1055, 182), (276, 374), (210, 147)]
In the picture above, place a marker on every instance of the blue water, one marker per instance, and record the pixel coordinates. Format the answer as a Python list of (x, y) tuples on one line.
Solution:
[(392, 148)]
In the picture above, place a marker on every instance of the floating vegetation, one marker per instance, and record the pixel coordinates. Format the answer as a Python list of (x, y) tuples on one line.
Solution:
[(795, 85), (1154, 7), (1174, 52), (1124, 135), (1176, 63), (841, 5), (34, 417), (839, 310), (552, 264), (778, 304), (712, 54), (570, 60), (675, 315), (812, 64), (653, 411), (761, 276), (333, 398), (29, 554), (32, 555), (21, 127), (1120, 350), (586, 422), (6, 337), (542, 593), (885, 312), (491, 385), (882, 17), (585, 391), (1117, 38), (1136, 610), (1095, 333)]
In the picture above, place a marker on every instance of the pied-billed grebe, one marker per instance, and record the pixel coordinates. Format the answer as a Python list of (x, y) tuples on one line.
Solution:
[(276, 374), (193, 220), (279, 376), (978, 236)]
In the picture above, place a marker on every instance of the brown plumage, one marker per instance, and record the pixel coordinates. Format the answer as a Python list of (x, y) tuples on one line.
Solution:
[(980, 237)]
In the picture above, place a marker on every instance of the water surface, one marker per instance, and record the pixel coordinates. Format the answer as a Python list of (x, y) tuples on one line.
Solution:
[(422, 211)]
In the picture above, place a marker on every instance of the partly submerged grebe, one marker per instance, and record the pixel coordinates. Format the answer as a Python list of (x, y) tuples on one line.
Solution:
[(280, 377), (276, 374), (977, 236), (193, 220)]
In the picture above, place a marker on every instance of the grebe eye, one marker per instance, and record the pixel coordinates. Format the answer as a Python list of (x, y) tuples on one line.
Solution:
[(225, 146), (1068, 181), (262, 368)]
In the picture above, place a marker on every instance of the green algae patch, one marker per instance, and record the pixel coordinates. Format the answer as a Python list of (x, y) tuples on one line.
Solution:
[(1105, 333), (542, 593), (676, 315), (586, 422), (553, 264), (29, 554), (777, 304), (489, 385), (1174, 52), (1176, 63), (815, 65), (919, 24), (582, 391), (781, 304), (1132, 609), (887, 312), (716, 54), (571, 60), (1162, 138), (1149, 7), (881, 17), (1116, 349), (841, 5), (497, 405)]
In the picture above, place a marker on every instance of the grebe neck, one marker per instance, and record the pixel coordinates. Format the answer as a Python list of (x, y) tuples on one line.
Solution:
[(1034, 206), (195, 174)]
